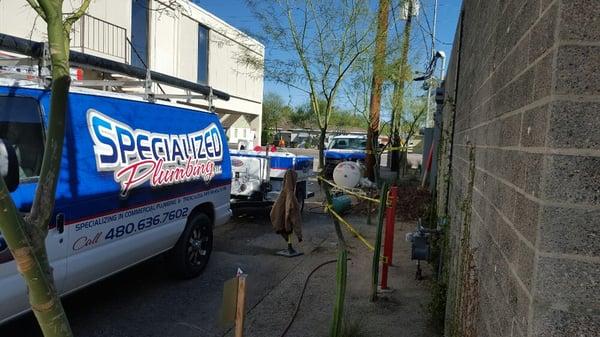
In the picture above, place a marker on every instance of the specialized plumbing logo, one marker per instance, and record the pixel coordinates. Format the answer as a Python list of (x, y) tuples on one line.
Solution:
[(137, 156)]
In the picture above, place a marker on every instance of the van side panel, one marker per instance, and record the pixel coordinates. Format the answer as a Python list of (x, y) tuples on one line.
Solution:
[(131, 173), (13, 294), (118, 210)]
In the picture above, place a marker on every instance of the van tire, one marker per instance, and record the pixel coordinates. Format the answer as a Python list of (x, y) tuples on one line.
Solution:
[(191, 253)]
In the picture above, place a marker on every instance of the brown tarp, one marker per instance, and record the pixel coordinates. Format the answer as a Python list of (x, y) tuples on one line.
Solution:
[(285, 215)]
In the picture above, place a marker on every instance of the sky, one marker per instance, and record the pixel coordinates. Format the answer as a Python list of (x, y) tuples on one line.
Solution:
[(236, 13)]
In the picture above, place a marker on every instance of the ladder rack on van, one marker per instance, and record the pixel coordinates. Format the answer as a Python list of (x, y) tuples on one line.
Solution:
[(144, 78)]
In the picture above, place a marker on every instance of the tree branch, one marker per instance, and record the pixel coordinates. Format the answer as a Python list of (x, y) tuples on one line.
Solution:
[(78, 14), (36, 7)]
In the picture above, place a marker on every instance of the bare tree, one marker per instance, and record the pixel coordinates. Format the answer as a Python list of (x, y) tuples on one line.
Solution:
[(318, 41), (25, 235)]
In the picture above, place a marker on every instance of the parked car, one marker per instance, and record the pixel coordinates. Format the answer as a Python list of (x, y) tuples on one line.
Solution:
[(344, 148)]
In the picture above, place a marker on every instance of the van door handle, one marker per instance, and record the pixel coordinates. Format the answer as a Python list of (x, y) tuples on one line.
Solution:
[(60, 222)]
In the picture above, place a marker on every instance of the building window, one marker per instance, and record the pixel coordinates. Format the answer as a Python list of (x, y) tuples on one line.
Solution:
[(21, 126), (140, 10), (202, 55)]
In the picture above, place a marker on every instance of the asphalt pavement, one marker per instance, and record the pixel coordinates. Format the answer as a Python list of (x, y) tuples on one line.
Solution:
[(146, 301)]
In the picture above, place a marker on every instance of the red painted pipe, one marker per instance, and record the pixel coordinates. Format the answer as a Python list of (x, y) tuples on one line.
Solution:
[(388, 244)]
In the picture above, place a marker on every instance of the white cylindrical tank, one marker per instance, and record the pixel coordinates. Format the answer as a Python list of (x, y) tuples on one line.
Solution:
[(347, 174)]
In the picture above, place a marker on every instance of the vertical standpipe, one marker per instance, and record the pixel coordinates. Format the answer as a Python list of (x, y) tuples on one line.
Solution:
[(388, 244)]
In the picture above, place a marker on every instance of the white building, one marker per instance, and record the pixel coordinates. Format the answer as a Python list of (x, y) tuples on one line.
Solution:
[(175, 37)]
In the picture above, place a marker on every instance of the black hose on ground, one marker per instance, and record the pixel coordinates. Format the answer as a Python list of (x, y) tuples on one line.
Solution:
[(287, 328)]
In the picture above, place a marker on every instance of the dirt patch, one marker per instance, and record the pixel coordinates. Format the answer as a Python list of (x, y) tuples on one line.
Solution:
[(413, 202)]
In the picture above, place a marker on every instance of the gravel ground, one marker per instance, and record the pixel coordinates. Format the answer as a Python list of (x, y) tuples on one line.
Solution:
[(145, 301)]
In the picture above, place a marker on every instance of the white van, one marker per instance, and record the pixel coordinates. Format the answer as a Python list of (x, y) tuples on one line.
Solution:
[(137, 179)]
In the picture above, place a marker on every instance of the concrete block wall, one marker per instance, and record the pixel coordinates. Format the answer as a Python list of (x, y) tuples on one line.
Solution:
[(523, 90)]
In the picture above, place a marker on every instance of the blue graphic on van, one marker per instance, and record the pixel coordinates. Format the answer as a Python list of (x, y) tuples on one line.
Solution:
[(137, 156)]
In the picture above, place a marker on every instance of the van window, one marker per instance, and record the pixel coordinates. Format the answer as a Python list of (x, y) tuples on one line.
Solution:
[(21, 126)]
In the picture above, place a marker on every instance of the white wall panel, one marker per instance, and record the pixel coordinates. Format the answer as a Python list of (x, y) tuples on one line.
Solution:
[(188, 49), (172, 46), (229, 68), (163, 51)]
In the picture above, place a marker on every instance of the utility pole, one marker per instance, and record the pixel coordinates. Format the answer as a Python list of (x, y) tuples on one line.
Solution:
[(398, 96), (430, 123), (376, 84)]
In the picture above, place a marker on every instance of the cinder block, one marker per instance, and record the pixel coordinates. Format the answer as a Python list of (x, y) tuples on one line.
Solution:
[(508, 242), (523, 21), (518, 302), (530, 172), (460, 152), (480, 135), (568, 283), (517, 332), (574, 125), (480, 177), (570, 231), (494, 221), (516, 94), (510, 130), (542, 86), (514, 63), (480, 159), (484, 93), (488, 108), (502, 311), (579, 20), (549, 322), (542, 34), (525, 263), (493, 133), (502, 168), (505, 200), (572, 179), (545, 4), (526, 217), (512, 165), (534, 127), (577, 70)]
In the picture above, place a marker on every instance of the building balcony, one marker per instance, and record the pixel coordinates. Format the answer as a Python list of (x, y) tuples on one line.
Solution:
[(98, 37)]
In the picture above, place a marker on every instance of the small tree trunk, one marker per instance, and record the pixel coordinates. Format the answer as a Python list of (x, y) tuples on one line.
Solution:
[(26, 236), (376, 85), (322, 136), (340, 272)]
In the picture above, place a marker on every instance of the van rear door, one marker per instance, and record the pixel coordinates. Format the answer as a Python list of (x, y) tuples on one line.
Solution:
[(22, 125)]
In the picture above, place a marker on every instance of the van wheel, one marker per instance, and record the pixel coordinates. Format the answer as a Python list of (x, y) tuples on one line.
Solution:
[(190, 255)]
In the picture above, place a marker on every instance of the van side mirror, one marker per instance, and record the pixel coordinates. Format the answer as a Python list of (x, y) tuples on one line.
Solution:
[(9, 165)]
